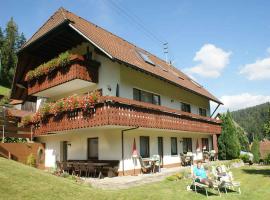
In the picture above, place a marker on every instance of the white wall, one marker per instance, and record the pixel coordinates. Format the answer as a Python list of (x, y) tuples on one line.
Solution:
[(110, 145)]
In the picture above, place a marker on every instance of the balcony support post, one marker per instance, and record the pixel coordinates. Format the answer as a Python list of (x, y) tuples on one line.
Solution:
[(123, 149)]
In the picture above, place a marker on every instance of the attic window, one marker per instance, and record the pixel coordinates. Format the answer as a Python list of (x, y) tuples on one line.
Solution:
[(146, 58)]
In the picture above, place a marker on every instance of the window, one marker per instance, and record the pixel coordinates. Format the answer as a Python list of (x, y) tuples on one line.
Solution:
[(146, 58), (147, 97), (185, 107), (144, 147), (205, 144), (202, 112), (92, 148), (173, 146), (187, 145), (160, 147)]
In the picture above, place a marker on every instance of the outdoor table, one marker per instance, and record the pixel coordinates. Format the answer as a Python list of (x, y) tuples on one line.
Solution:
[(99, 168)]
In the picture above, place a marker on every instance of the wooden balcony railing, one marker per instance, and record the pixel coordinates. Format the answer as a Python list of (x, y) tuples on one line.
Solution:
[(77, 69), (118, 111)]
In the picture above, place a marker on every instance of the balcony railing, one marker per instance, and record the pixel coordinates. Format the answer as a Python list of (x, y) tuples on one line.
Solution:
[(78, 68), (116, 111)]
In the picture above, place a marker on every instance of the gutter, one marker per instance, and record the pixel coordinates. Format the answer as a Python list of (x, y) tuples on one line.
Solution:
[(122, 141)]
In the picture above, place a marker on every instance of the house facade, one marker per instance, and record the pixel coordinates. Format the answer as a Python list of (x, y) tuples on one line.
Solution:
[(142, 98)]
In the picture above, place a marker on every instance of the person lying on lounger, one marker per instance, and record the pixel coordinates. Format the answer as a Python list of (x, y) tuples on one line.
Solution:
[(200, 175), (223, 175)]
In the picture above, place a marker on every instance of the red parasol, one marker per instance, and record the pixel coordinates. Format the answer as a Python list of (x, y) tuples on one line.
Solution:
[(134, 149)]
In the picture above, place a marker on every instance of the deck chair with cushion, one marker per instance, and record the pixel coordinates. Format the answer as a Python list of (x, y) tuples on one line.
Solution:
[(226, 181), (201, 186), (158, 161)]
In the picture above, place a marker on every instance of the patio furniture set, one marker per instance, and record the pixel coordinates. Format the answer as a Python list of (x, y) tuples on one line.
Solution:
[(88, 168), (188, 157)]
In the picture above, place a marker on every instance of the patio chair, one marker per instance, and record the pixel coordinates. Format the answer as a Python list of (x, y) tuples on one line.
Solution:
[(157, 162), (226, 182), (212, 155), (76, 169), (91, 170), (145, 168), (83, 168), (198, 185)]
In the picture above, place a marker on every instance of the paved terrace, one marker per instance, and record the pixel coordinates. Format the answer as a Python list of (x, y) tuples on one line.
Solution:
[(123, 182)]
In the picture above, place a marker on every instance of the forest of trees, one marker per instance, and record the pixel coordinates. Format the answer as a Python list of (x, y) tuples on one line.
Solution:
[(10, 42), (253, 120)]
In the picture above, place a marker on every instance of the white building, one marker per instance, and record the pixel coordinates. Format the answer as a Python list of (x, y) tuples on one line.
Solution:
[(170, 113)]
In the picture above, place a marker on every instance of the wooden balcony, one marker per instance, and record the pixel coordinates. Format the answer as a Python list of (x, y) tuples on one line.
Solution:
[(76, 75), (116, 111)]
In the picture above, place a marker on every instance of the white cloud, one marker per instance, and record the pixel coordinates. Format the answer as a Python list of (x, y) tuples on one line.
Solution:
[(260, 70), (211, 61), (244, 100)]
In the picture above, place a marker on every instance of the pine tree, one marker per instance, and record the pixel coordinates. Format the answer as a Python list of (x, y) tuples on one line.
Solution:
[(21, 41), (243, 139), (1, 50), (228, 142), (255, 150), (11, 42), (267, 126)]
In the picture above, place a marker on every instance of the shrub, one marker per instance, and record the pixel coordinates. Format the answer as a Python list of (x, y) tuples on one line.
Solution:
[(31, 160), (267, 159), (245, 158), (255, 150), (175, 177)]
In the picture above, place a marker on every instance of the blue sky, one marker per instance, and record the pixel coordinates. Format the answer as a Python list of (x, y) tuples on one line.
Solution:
[(222, 45)]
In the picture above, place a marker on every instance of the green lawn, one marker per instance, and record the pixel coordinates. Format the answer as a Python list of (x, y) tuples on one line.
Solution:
[(4, 90), (18, 181)]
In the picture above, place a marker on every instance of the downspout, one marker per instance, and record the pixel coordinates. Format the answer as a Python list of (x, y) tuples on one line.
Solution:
[(215, 110), (122, 138)]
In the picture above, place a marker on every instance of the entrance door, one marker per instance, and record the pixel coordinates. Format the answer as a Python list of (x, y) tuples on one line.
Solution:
[(93, 148), (160, 149), (64, 151)]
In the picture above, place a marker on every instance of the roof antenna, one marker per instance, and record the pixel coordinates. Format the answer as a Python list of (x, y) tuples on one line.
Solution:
[(166, 51)]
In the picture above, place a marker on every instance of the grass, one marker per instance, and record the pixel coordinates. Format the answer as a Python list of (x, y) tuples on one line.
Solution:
[(18, 181), (4, 90)]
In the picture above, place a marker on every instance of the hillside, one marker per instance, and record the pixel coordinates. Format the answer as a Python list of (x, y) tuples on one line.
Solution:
[(252, 119), (18, 181)]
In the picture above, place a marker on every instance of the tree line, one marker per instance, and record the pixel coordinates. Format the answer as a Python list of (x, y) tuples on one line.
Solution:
[(253, 120), (234, 139), (11, 41)]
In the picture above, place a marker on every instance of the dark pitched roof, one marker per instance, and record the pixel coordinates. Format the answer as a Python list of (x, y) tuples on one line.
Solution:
[(120, 50)]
